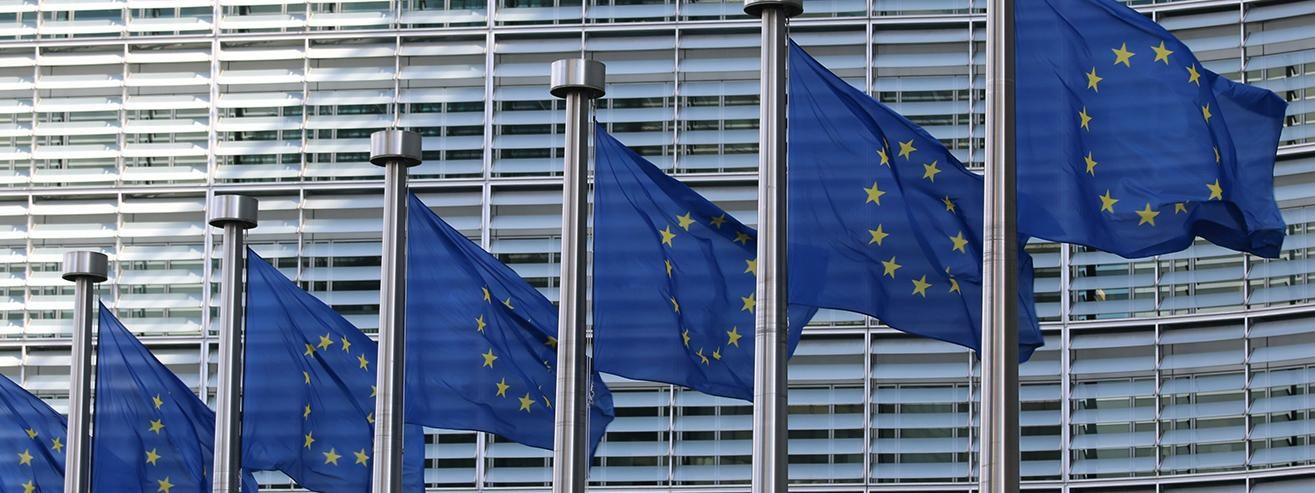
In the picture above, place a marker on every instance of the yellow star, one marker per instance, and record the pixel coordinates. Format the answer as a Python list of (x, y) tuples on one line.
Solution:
[(331, 457), (325, 342), (949, 204), (929, 172), (507, 303), (749, 303), (1216, 154), (920, 286), (1162, 53), (1091, 164), (152, 456), (684, 334), (716, 222), (1193, 76), (702, 359), (1205, 112), (675, 305), (1093, 80), (959, 243), (305, 413), (742, 238), (1147, 215), (751, 266), (667, 236), (361, 458), (954, 285), (305, 376), (29, 487), (374, 391), (487, 297), (547, 402), (885, 159), (31, 433), (668, 262), (346, 344), (489, 358), (526, 402), (551, 342), (369, 418), (878, 235), (155, 399), (889, 267), (56, 444), (365, 363), (1107, 202), (310, 350), (156, 426), (1086, 119), (502, 387), (479, 323), (733, 337), (1122, 55), (164, 484), (1216, 191), (25, 458), (685, 221), (716, 354), (874, 194), (1180, 207), (906, 149)]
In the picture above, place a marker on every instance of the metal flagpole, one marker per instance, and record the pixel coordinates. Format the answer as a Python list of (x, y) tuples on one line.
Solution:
[(395, 151), (84, 269), (235, 214), (770, 381), (999, 458), (577, 80)]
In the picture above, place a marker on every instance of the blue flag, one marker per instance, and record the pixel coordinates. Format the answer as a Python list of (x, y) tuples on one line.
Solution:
[(1128, 144), (673, 280), (891, 220), (151, 434), (310, 388), (481, 342), (33, 433)]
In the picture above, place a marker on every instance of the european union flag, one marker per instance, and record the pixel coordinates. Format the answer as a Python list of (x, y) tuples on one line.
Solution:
[(34, 433), (152, 434), (1127, 143), (673, 280), (891, 220), (481, 342), (308, 403)]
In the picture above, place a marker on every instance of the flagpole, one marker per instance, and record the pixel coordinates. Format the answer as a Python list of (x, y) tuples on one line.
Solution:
[(84, 269), (577, 81), (770, 470), (394, 150), (235, 214), (999, 457)]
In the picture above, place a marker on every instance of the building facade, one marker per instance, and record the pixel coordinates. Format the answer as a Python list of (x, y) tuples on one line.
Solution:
[(1190, 372)]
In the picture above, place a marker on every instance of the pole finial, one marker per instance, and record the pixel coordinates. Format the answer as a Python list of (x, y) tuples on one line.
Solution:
[(578, 74), (86, 265), (240, 209), (395, 146), (791, 8)]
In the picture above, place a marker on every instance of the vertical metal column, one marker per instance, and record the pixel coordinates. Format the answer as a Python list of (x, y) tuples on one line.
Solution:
[(394, 150), (770, 379), (84, 269), (577, 80), (235, 214), (999, 422)]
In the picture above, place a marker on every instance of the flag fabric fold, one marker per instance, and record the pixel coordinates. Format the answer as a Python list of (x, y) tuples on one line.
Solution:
[(34, 433), (481, 342), (310, 390), (674, 280), (151, 434), (888, 219), (1127, 143)]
